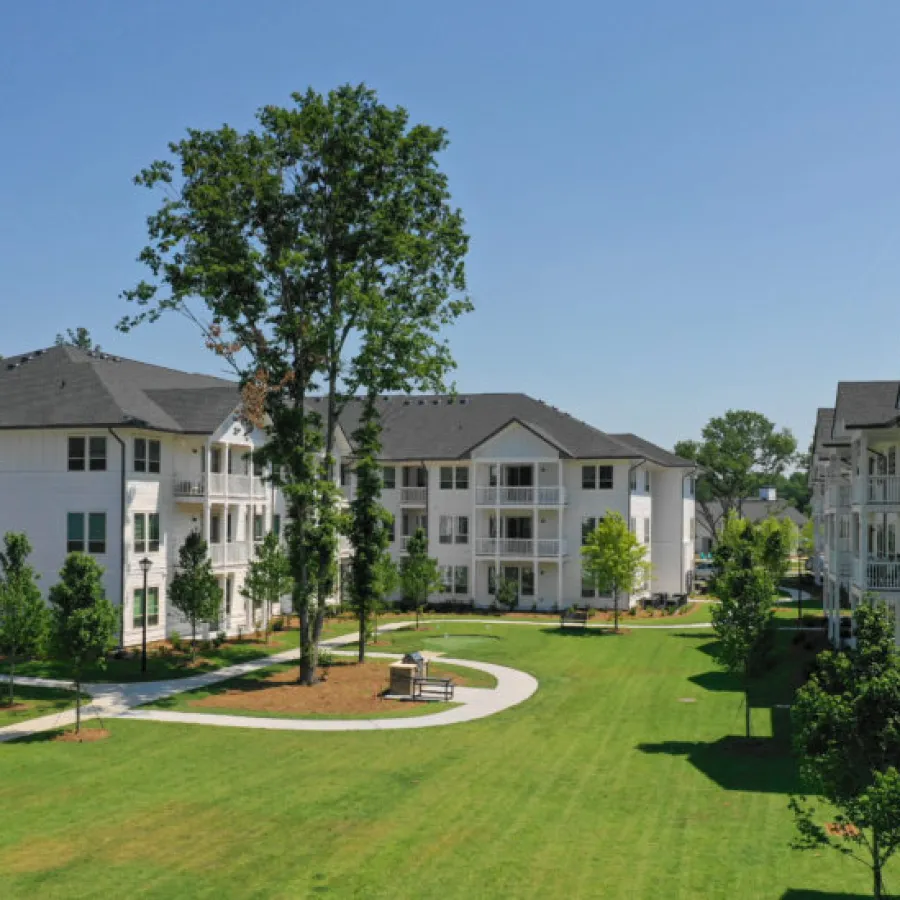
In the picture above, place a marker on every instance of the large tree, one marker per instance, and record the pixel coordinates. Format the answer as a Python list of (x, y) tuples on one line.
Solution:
[(739, 452), (83, 622), (743, 617), (614, 560), (194, 590), (319, 251), (77, 337), (23, 614), (846, 727), (268, 578), (420, 575)]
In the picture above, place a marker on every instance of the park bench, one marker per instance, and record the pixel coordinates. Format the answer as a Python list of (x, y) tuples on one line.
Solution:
[(427, 688), (574, 616)]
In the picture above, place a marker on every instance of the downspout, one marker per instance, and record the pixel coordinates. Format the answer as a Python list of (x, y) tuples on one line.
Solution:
[(631, 469), (122, 543)]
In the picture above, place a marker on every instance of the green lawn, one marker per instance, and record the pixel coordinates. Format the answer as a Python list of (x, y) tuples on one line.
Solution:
[(36, 702), (604, 784)]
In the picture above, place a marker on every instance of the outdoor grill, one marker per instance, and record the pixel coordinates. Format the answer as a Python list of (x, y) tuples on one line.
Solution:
[(416, 659)]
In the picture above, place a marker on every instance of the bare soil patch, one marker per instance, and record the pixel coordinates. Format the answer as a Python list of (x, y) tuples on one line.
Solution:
[(13, 707), (346, 688), (87, 736)]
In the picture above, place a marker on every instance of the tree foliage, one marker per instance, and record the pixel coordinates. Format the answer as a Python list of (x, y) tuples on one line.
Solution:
[(23, 614), (83, 622), (846, 726), (77, 337), (614, 559), (743, 617), (387, 581), (194, 590), (740, 452), (324, 254), (268, 578), (506, 592), (420, 575)]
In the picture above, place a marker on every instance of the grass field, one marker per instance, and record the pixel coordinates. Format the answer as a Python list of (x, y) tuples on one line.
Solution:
[(604, 784), (31, 702)]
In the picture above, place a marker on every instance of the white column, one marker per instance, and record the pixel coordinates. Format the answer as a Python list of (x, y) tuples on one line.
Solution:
[(207, 506), (559, 536), (535, 528)]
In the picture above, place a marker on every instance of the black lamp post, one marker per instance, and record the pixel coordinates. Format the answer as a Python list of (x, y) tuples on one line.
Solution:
[(145, 564)]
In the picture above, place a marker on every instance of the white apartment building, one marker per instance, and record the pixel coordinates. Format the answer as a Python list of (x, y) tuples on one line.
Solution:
[(121, 460), (856, 498), (505, 484)]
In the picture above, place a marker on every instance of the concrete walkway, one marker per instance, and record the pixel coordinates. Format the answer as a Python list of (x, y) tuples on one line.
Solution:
[(118, 701)]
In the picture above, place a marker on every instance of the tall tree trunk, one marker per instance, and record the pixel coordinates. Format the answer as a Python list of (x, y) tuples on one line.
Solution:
[(877, 883), (12, 677), (362, 633), (307, 648), (616, 609), (193, 639), (77, 706)]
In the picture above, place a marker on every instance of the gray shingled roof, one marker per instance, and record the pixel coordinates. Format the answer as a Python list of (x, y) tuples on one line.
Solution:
[(65, 386), (824, 425), (862, 404), (441, 427), (755, 510)]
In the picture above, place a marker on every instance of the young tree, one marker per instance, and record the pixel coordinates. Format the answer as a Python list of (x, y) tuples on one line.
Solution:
[(77, 337), (23, 615), (194, 591), (387, 581), (83, 622), (324, 251), (368, 525), (778, 540), (615, 560), (506, 592), (743, 617), (420, 575), (268, 578), (739, 452), (846, 727)]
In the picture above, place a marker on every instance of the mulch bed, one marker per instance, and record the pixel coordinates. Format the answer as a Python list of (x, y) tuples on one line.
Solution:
[(14, 707), (345, 688), (87, 736)]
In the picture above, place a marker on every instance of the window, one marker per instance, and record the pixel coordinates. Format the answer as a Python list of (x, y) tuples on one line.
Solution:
[(77, 454), (391, 527), (389, 477), (146, 455), (229, 595), (587, 586), (215, 530), (345, 474), (415, 476), (492, 580), (527, 582), (447, 579), (276, 524), (647, 481), (259, 468), (215, 460), (588, 525), (445, 530), (97, 451), (96, 532), (462, 478), (492, 476), (605, 478), (152, 607), (632, 480), (146, 532), (691, 486), (75, 533), (229, 528), (462, 529), (646, 531), (461, 580), (589, 478), (446, 478), (259, 520), (518, 476)]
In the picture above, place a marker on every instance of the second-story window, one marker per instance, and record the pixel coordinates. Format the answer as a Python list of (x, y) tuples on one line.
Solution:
[(97, 454), (215, 460), (462, 529), (462, 478), (146, 455), (646, 531), (77, 454), (632, 480), (391, 528), (259, 519), (445, 530), (589, 478), (588, 524), (605, 478), (345, 474), (647, 481), (388, 477), (146, 532), (95, 533), (446, 478)]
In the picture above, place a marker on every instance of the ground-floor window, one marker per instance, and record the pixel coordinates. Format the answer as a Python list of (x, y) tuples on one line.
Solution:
[(152, 607), (461, 580), (588, 591)]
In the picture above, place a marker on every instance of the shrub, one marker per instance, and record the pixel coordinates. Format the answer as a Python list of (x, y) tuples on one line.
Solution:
[(219, 639), (278, 623), (176, 641), (326, 660), (632, 611), (206, 645)]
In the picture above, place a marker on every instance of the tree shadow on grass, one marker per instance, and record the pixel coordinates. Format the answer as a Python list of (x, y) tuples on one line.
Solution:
[(800, 894)]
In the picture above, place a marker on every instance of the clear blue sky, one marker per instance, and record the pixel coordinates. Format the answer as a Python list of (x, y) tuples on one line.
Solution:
[(675, 208)]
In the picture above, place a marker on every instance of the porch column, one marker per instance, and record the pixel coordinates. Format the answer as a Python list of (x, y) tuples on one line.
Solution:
[(207, 505)]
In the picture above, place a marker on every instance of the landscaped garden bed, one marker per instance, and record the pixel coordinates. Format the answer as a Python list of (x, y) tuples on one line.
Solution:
[(32, 702)]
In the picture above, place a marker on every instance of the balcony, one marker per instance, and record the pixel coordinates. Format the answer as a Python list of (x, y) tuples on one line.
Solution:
[(883, 575), (520, 547), (413, 496), (884, 489), (220, 484), (233, 554), (189, 487), (520, 496)]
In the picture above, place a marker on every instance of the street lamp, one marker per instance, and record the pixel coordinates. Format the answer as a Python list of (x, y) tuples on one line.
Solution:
[(145, 564)]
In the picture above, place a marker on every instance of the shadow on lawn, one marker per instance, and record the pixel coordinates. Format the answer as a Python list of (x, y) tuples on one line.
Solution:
[(798, 894)]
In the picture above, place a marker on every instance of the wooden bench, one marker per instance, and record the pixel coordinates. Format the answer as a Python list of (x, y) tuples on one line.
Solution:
[(574, 616), (424, 688)]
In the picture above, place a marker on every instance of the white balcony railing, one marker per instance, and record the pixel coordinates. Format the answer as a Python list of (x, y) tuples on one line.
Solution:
[(543, 547), (884, 489), (883, 575), (233, 554), (259, 486), (217, 482), (188, 487), (552, 495), (413, 496)]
